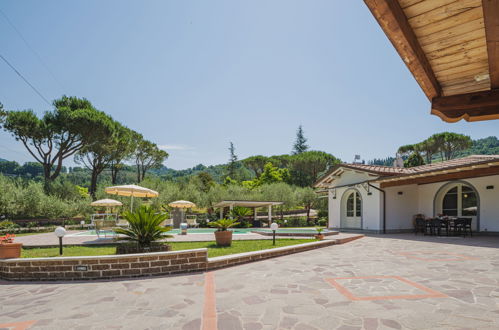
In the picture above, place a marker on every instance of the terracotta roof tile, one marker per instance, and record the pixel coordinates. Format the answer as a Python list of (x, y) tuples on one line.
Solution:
[(398, 171)]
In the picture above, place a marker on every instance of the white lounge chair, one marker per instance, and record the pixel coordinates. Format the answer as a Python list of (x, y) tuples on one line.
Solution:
[(192, 222)]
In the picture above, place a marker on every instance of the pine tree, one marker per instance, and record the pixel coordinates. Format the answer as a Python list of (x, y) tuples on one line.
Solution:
[(232, 166), (300, 143)]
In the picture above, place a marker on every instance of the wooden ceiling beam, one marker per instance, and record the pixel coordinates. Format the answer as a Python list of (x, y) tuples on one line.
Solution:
[(470, 107), (393, 21), (491, 21)]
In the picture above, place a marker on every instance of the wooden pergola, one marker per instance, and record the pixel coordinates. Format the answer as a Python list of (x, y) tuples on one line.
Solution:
[(452, 49)]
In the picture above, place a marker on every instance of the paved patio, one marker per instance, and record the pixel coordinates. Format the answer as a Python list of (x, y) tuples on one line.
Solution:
[(377, 282)]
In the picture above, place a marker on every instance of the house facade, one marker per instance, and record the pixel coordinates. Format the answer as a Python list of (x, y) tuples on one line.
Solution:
[(384, 199)]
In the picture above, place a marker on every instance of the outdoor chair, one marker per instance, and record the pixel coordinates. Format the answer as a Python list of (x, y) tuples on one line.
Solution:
[(458, 226), (467, 226), (167, 223), (463, 225), (436, 226), (192, 222), (420, 226)]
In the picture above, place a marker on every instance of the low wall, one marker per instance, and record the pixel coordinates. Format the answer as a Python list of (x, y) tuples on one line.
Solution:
[(104, 267), (134, 265)]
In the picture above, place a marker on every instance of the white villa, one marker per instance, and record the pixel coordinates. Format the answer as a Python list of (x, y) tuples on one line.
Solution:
[(384, 199)]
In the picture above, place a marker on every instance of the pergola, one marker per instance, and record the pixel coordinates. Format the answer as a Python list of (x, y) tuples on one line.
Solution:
[(452, 49), (249, 204)]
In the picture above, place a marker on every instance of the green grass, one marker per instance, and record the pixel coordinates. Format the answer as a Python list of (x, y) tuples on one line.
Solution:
[(213, 249), (28, 234)]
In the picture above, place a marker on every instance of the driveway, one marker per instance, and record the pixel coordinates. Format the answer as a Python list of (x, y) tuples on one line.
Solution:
[(377, 282)]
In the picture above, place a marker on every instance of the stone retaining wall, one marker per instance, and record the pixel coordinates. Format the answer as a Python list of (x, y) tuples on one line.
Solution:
[(133, 265)]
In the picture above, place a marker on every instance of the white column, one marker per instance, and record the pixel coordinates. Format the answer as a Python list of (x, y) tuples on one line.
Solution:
[(221, 213), (254, 214), (231, 207)]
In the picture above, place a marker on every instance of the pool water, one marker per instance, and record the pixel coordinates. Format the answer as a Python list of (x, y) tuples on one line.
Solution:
[(235, 231)]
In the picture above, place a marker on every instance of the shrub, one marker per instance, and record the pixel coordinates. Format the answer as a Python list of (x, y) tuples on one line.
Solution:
[(297, 222), (224, 224), (322, 222), (144, 226)]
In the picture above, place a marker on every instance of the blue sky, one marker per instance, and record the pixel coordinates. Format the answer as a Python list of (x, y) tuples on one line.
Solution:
[(193, 75)]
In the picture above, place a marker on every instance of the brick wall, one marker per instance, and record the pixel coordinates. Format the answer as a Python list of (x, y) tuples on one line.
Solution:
[(104, 267)]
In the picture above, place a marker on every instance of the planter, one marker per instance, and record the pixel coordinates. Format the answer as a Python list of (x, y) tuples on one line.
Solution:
[(130, 248), (320, 237), (223, 238), (10, 250)]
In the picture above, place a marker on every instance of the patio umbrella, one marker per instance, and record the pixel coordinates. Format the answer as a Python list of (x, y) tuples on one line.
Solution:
[(107, 203), (132, 191), (182, 205)]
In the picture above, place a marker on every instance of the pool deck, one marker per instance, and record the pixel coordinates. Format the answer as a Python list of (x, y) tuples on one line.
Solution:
[(49, 239)]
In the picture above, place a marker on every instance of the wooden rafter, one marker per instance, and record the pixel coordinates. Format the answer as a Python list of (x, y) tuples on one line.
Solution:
[(491, 20), (393, 21), (471, 107)]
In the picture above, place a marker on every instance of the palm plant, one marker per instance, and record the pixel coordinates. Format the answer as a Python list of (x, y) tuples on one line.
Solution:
[(144, 226), (224, 224)]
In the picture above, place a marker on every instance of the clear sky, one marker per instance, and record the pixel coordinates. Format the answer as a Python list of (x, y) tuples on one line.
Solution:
[(193, 75)]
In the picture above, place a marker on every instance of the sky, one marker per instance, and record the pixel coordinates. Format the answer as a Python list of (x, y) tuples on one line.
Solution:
[(194, 75)]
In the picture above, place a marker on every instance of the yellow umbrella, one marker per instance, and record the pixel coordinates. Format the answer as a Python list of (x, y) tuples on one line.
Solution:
[(182, 205), (106, 202), (132, 191)]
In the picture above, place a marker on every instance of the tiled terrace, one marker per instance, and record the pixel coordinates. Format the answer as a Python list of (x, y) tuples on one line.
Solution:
[(377, 282)]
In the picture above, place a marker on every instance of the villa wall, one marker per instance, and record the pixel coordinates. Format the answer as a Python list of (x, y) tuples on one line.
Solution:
[(400, 208)]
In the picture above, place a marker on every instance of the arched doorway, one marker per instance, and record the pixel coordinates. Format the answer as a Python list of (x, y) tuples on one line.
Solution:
[(351, 210), (459, 199)]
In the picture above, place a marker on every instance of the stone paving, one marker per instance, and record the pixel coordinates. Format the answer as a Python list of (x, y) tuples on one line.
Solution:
[(377, 282)]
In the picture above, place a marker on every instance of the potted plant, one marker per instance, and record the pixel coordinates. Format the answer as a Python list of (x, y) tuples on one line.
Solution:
[(9, 249), (222, 235), (144, 229), (320, 235)]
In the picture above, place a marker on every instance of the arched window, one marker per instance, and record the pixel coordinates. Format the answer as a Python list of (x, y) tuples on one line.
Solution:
[(350, 205), (354, 205), (461, 200)]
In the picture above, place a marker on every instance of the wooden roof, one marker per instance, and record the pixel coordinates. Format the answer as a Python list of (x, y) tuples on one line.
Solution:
[(452, 49)]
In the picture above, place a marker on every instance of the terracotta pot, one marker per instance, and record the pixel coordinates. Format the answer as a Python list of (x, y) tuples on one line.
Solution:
[(320, 237), (10, 250), (223, 238)]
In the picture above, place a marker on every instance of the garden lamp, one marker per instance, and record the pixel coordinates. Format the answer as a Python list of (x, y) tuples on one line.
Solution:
[(274, 226), (60, 232)]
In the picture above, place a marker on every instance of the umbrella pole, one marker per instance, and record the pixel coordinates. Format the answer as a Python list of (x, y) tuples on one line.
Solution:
[(131, 205)]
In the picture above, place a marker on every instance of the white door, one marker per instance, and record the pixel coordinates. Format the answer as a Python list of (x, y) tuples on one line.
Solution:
[(460, 200), (352, 210)]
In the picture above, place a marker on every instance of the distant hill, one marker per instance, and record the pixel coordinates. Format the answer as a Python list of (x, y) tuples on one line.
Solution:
[(485, 146), (3, 160)]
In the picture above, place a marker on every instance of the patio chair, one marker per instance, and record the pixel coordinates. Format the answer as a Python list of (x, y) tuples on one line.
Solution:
[(436, 226), (458, 226), (467, 226), (192, 222), (167, 223), (419, 226)]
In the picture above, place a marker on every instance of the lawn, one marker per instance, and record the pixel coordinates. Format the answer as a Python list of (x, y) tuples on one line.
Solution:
[(213, 249)]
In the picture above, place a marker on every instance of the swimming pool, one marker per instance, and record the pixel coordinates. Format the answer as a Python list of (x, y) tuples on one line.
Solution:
[(235, 231)]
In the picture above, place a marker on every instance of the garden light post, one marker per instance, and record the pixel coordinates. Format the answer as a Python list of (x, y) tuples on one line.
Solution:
[(60, 232), (274, 226)]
